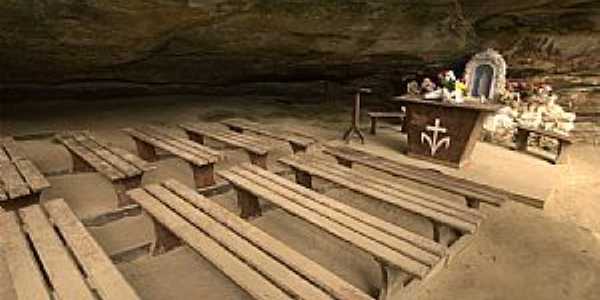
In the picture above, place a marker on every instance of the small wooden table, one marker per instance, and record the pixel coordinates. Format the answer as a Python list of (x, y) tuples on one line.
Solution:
[(443, 132)]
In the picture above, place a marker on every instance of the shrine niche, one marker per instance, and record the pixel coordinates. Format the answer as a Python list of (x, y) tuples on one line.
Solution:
[(485, 75)]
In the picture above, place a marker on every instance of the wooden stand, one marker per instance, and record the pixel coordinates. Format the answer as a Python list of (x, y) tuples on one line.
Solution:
[(355, 126)]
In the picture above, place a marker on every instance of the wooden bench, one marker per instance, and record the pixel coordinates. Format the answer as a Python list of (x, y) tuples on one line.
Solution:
[(256, 149), (200, 158), (406, 259), (255, 261), (50, 255), (123, 169), (473, 192), (374, 116), (298, 142), (21, 182), (564, 141), (440, 211)]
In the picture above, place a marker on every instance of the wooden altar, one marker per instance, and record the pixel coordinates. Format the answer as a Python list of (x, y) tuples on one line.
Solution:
[(443, 132)]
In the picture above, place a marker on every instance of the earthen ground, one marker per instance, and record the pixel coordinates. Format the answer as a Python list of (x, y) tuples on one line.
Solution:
[(519, 253)]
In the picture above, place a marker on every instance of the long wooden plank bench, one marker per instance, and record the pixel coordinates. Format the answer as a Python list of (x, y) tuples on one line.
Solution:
[(50, 255), (123, 169), (200, 158), (564, 141), (298, 142), (406, 259), (21, 182), (375, 116), (258, 263), (474, 193), (256, 149), (441, 212)]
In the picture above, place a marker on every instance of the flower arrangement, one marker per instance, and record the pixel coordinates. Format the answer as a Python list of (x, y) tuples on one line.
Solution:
[(532, 105)]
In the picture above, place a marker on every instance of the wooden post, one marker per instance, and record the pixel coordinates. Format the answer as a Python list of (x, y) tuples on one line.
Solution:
[(123, 185), (393, 280), (473, 203), (258, 159), (521, 139), (80, 165), (248, 203), (344, 162), (146, 151), (235, 128), (165, 239), (373, 125), (297, 148), (195, 137), (203, 175), (303, 178), (564, 149)]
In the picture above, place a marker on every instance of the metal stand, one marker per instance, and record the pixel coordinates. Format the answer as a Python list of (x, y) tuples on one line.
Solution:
[(355, 126)]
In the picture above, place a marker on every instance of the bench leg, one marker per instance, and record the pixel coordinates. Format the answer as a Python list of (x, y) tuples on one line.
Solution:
[(562, 156), (393, 280), (521, 140), (248, 203), (165, 239), (203, 175), (18, 203), (123, 185), (296, 148), (303, 178), (80, 165), (195, 137), (373, 126), (235, 128), (344, 162), (146, 151), (443, 234), (258, 159), (473, 203)]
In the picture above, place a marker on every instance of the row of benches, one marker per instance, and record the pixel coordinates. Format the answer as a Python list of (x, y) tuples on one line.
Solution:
[(258, 263)]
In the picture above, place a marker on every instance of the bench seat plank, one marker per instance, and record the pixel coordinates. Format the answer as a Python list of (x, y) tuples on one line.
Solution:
[(106, 279), (189, 157), (396, 231), (232, 138), (427, 200), (442, 217), (349, 235), (12, 149), (92, 158), (62, 272), (36, 181), (191, 154), (382, 237), (330, 282), (257, 128), (239, 272), (200, 150), (27, 279), (377, 114), (14, 185), (278, 273), (115, 161), (441, 181)]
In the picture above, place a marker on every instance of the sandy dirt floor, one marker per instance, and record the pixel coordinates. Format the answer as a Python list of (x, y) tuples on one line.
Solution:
[(519, 253)]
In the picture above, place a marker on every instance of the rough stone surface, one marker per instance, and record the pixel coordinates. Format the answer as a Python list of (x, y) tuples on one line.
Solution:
[(121, 47)]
